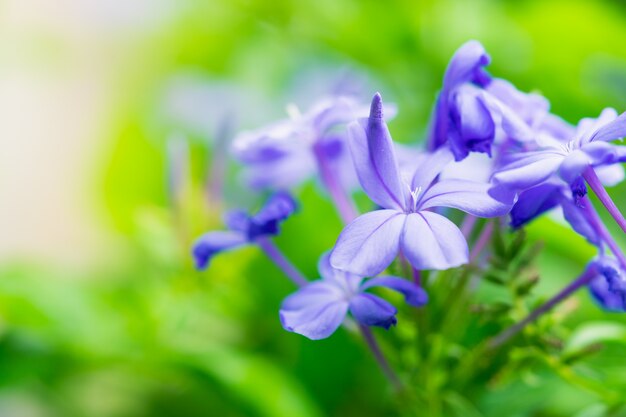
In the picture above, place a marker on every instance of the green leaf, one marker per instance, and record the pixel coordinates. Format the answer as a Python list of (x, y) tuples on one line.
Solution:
[(595, 332), (595, 410), (257, 381)]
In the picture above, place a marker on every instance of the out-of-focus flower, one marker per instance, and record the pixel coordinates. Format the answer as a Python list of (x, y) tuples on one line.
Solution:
[(291, 151), (196, 104), (608, 289), (244, 229), (318, 309), (427, 239)]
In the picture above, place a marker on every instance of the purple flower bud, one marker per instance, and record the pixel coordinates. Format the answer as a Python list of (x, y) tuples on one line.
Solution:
[(608, 289), (462, 117), (244, 229)]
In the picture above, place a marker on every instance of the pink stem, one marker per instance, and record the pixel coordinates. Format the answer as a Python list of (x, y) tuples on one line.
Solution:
[(343, 202), (272, 252), (468, 225), (594, 182), (481, 242), (596, 222)]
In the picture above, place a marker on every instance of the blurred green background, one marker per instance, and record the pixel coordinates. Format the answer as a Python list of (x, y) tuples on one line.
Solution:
[(101, 311)]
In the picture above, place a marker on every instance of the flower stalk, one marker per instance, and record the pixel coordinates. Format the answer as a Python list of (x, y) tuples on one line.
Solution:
[(584, 279), (482, 241), (281, 261), (374, 347), (344, 204)]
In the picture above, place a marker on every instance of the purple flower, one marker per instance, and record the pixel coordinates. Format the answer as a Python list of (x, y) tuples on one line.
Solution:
[(588, 148), (318, 309), (407, 223), (462, 116), (608, 289), (474, 111), (244, 229), (290, 151)]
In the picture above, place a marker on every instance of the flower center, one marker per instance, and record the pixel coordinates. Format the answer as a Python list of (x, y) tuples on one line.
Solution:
[(570, 146), (413, 198)]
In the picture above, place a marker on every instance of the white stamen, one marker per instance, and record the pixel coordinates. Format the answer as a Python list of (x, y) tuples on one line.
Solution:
[(414, 196), (569, 146)]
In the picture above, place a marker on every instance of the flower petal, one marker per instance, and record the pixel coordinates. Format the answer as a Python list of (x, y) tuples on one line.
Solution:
[(573, 165), (324, 267), (588, 126), (430, 241), (468, 196), (369, 243), (375, 160), (603, 153), (534, 202), (284, 172), (279, 207), (530, 170), (610, 175), (466, 65), (476, 167), (414, 295), (314, 311), (579, 222), (371, 310), (430, 165), (611, 131), (473, 122), (530, 108), (605, 298), (214, 242), (331, 274)]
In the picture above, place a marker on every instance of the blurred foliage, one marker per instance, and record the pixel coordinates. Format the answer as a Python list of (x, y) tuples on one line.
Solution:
[(149, 336)]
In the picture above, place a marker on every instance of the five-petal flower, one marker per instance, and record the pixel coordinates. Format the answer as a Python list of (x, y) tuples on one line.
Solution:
[(407, 221), (569, 159)]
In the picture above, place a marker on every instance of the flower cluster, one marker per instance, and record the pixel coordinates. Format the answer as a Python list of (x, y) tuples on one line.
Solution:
[(532, 162)]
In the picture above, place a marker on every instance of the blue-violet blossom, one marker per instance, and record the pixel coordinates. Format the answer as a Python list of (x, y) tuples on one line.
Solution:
[(588, 148), (318, 309), (406, 223)]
